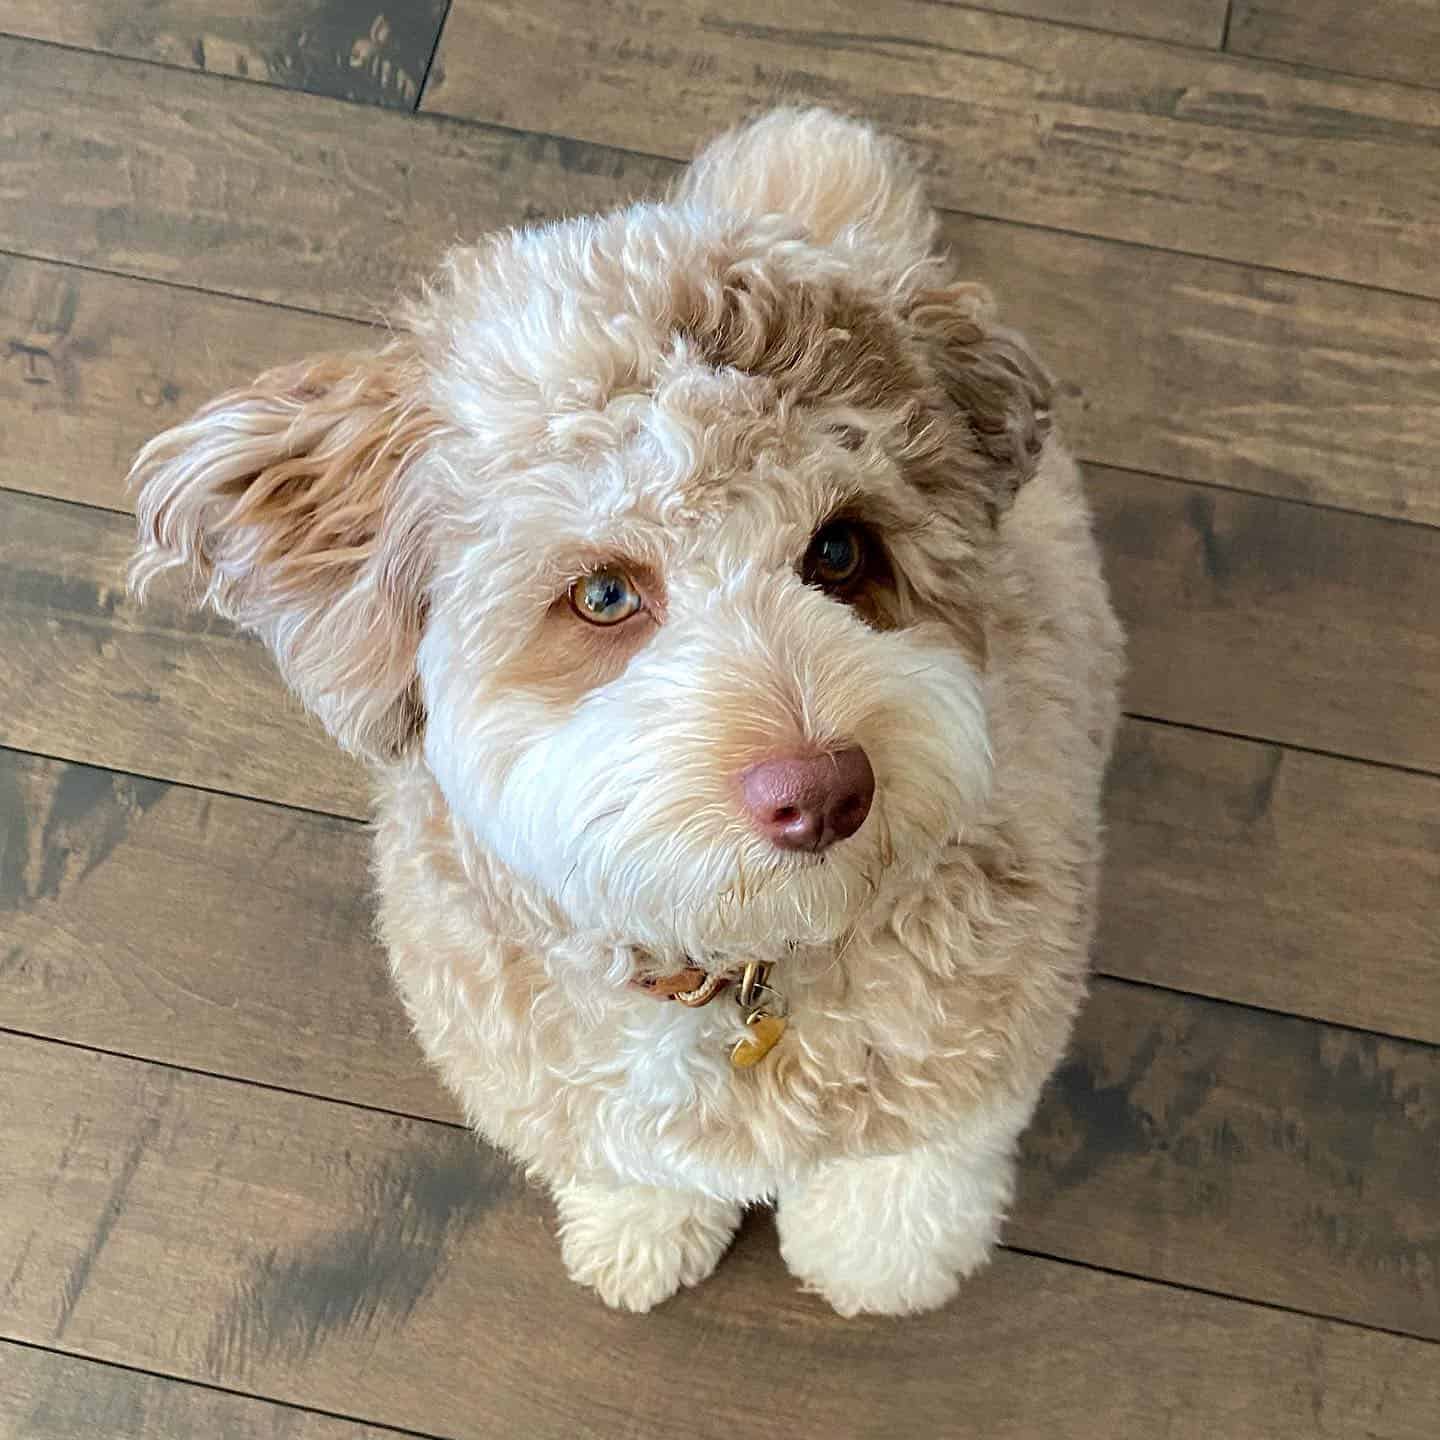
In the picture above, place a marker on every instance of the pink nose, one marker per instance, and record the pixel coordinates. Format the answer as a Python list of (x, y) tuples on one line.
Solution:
[(807, 804)]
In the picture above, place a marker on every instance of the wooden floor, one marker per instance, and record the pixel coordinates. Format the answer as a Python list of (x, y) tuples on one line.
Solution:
[(232, 1203)]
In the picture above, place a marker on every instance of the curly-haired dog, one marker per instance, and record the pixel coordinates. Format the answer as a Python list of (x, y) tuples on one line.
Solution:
[(724, 624)]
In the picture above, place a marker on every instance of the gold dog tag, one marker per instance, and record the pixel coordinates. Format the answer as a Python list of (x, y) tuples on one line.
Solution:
[(764, 1036)]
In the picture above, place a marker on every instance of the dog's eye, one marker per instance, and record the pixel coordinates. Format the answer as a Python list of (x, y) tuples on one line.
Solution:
[(836, 557), (605, 596)]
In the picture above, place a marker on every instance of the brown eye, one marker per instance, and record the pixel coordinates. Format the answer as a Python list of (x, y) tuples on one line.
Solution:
[(836, 557), (605, 596)]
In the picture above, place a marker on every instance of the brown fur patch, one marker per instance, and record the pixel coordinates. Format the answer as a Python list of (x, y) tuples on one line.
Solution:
[(814, 344), (567, 657), (317, 515), (286, 503), (993, 379)]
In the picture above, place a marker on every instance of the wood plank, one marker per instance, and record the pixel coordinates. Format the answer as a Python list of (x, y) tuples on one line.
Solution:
[(1220, 851), (97, 364), (1015, 119), (183, 695), (1238, 605), (1248, 1153), (351, 49), (262, 192), (1235, 604), (252, 954), (390, 1269), (1189, 368), (45, 1396), (1198, 379), (1185, 22), (1281, 879), (1173, 1115), (1175, 365), (1384, 39)]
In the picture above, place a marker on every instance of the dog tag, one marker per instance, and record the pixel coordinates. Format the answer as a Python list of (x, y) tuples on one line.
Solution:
[(764, 1036)]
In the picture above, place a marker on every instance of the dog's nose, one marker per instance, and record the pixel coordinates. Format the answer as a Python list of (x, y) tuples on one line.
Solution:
[(809, 803)]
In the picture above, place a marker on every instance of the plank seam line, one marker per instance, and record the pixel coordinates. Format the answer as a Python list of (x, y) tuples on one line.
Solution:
[(1014, 17), (983, 215), (290, 807), (1224, 28), (270, 1086), (211, 1386), (1309, 70), (380, 319), (1056, 22), (1398, 767), (1345, 1026), (205, 77), (441, 118), (1029, 1251), (430, 63), (1095, 462), (1189, 1289)]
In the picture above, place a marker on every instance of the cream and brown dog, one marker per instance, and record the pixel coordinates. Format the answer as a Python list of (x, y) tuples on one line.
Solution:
[(726, 631)]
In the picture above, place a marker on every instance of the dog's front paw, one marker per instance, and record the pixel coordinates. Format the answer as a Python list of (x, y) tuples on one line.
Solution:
[(635, 1245), (891, 1275), (893, 1235)]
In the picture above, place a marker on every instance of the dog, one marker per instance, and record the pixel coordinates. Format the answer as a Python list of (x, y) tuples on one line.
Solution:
[(721, 617)]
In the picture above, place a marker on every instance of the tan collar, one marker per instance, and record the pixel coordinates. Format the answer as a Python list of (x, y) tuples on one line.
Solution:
[(764, 1008), (691, 986)]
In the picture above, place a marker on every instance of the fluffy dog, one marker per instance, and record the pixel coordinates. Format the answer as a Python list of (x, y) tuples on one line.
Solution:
[(722, 621)]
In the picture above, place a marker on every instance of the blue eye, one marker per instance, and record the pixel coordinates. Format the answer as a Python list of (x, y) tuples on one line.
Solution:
[(605, 596), (836, 556)]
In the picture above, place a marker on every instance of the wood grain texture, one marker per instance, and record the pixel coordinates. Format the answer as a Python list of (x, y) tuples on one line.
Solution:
[(1298, 388), (253, 958), (1243, 1152), (1242, 871), (1015, 119), (392, 1270), (46, 1396), (261, 192), (1274, 877), (1234, 605), (1185, 22), (1171, 364), (351, 49), (97, 364), (1275, 620), (1385, 39), (1197, 378), (157, 689), (200, 930), (1295, 1128)]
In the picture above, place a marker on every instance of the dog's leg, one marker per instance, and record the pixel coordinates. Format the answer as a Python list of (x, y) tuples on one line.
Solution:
[(896, 1234), (636, 1245)]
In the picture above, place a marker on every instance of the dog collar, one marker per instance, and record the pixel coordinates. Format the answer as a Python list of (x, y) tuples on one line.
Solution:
[(691, 986), (765, 1007)]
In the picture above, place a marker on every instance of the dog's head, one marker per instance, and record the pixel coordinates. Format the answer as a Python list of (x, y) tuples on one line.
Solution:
[(663, 537)]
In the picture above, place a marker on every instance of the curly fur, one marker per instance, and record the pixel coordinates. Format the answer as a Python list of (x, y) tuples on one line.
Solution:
[(692, 388)]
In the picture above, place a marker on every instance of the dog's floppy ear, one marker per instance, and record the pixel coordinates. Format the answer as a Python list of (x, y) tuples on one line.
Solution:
[(288, 505), (993, 379), (849, 186)]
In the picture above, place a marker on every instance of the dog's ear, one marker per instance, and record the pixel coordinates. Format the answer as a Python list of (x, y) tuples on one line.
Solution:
[(849, 186), (992, 377), (289, 506)]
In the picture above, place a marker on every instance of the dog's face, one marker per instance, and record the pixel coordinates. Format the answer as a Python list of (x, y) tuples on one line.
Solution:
[(663, 537)]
